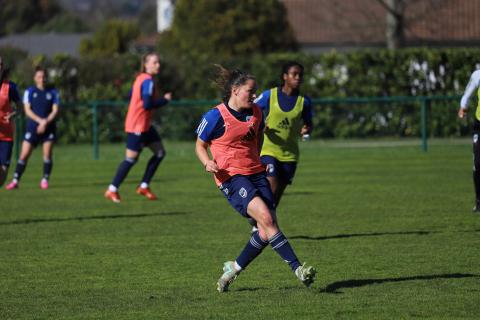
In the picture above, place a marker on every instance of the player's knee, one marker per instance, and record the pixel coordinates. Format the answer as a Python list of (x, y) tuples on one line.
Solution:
[(131, 160), (266, 218), (161, 154)]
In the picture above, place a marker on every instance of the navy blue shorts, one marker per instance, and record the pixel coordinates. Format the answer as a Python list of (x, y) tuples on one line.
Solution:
[(34, 138), (283, 171), (240, 190), (5, 152), (136, 141)]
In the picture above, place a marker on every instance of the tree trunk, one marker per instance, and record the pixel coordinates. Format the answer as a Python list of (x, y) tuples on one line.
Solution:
[(394, 23)]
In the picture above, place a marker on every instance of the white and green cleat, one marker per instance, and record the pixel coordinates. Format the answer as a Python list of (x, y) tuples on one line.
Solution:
[(229, 275), (306, 274)]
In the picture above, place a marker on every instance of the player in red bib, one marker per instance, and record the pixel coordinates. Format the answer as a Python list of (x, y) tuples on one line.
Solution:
[(8, 94), (144, 100), (233, 130)]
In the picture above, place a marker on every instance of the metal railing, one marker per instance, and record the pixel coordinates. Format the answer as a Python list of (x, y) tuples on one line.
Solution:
[(424, 103)]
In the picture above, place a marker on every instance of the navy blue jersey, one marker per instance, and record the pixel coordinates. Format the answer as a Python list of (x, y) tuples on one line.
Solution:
[(286, 103), (41, 101), (212, 125)]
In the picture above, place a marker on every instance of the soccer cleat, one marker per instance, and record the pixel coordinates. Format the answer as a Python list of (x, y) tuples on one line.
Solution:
[(147, 193), (12, 185), (476, 209), (306, 274), (229, 275), (44, 184), (114, 196)]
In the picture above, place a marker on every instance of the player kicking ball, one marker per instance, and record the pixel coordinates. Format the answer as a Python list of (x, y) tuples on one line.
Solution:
[(232, 131)]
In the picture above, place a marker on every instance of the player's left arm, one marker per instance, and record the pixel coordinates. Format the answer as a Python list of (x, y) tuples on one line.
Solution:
[(55, 107), (148, 99), (307, 115)]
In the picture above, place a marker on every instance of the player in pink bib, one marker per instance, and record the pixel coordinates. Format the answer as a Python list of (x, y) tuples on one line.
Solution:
[(233, 130), (144, 100), (8, 94)]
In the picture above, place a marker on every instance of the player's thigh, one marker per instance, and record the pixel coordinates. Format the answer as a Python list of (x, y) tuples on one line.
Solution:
[(154, 142)]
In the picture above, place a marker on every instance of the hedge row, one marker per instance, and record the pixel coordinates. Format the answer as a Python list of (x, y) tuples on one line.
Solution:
[(364, 73)]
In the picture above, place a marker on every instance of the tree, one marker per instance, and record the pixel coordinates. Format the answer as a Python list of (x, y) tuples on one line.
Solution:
[(222, 29), (114, 37), (395, 23), (21, 15)]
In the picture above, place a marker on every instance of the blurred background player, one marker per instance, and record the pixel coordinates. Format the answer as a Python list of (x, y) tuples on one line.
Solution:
[(473, 84), (8, 94), (233, 131), (140, 132), (288, 115), (41, 105)]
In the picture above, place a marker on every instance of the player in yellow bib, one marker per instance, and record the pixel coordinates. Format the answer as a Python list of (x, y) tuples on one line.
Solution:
[(288, 115), (472, 87)]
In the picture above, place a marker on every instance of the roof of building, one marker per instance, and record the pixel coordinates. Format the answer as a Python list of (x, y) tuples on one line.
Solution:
[(48, 44), (362, 22)]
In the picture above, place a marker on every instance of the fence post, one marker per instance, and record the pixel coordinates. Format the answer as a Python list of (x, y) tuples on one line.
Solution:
[(95, 130), (424, 109), (19, 126)]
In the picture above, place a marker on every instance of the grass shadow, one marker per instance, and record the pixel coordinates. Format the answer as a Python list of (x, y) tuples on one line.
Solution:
[(101, 217), (372, 234), (356, 283)]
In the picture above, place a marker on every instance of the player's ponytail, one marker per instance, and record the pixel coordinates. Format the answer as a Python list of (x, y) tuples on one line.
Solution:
[(226, 80)]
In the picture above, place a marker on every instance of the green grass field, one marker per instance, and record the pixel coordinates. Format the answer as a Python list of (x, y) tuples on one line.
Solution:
[(388, 227)]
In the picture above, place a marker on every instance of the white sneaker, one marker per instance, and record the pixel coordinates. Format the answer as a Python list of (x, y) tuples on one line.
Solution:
[(228, 276), (306, 274)]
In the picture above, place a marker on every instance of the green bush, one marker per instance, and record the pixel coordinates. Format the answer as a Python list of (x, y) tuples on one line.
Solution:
[(363, 73)]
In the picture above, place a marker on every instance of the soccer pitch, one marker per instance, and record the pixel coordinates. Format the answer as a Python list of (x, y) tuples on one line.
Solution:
[(388, 227)]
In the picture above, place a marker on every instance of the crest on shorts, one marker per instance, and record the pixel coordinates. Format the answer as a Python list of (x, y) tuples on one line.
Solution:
[(270, 168), (243, 192)]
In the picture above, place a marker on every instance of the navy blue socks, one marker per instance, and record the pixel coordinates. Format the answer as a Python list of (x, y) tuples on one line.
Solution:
[(47, 168), (19, 169), (253, 248), (122, 171), (152, 166), (280, 244)]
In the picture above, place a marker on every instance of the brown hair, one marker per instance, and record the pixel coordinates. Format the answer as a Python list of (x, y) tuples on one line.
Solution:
[(227, 80)]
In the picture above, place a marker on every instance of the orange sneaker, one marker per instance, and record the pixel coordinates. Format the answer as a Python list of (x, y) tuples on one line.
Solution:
[(147, 193), (114, 196)]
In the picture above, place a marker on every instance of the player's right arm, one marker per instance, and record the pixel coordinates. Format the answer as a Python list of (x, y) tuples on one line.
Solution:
[(472, 85), (210, 127)]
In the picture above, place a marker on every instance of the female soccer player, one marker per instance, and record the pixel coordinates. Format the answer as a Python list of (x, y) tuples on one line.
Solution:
[(232, 130), (473, 84), (8, 94), (41, 107), (288, 115), (140, 133)]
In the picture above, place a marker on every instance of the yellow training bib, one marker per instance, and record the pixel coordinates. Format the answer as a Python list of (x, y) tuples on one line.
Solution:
[(282, 130)]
